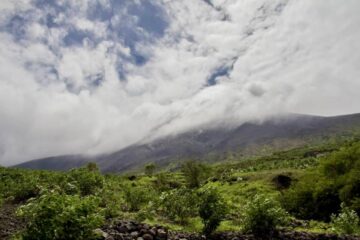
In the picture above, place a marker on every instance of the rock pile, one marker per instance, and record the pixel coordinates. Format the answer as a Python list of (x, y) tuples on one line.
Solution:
[(131, 230)]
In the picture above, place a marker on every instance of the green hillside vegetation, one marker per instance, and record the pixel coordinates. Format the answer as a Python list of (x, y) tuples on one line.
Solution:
[(314, 189)]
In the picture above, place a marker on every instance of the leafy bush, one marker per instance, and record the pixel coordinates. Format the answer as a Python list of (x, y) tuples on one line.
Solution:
[(111, 200), (59, 217), (163, 182), (212, 209), (263, 215), (320, 192), (178, 204), (88, 180), (194, 173), (18, 185), (150, 169), (346, 222), (28, 188), (135, 197)]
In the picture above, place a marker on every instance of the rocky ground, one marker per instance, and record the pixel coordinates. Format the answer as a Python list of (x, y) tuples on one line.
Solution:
[(129, 230), (9, 223)]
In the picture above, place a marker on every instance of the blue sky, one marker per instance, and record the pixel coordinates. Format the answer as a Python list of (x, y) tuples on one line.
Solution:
[(94, 76)]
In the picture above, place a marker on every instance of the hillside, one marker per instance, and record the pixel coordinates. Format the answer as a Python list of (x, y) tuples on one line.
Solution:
[(285, 195), (213, 144)]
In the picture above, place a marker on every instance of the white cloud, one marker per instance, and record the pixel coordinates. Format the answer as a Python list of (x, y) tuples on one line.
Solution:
[(298, 56)]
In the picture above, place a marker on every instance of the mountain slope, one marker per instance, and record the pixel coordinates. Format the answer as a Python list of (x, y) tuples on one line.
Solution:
[(248, 139)]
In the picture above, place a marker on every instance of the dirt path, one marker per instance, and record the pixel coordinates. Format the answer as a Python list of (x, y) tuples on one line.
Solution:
[(9, 223)]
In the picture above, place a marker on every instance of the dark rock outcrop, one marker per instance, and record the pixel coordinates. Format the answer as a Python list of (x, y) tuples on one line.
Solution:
[(130, 230)]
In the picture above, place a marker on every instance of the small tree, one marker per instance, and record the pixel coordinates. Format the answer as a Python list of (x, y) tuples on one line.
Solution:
[(194, 173), (212, 209), (347, 222), (150, 169), (263, 215), (178, 204), (135, 197), (60, 216), (91, 166), (87, 179)]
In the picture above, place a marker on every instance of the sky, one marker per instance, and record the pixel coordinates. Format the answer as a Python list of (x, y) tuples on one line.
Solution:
[(95, 76)]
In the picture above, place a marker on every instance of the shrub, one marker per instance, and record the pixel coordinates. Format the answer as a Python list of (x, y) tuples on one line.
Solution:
[(87, 179), (56, 216), (335, 180), (150, 169), (194, 173), (111, 201), (212, 209), (178, 204), (163, 182), (25, 190), (346, 222), (263, 215), (135, 197)]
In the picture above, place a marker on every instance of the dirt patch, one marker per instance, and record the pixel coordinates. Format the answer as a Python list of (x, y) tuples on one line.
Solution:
[(9, 223)]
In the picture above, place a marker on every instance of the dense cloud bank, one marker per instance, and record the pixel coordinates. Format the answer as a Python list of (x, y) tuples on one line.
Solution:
[(96, 76)]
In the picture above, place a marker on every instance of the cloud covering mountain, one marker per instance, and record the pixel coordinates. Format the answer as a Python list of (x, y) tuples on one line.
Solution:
[(96, 76)]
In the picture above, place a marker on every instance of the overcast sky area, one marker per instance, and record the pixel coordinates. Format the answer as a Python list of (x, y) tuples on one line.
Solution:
[(95, 76)]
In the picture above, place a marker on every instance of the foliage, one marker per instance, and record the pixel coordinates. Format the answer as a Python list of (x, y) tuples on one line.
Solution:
[(178, 204), (346, 222), (87, 179), (164, 182), (312, 198), (263, 215), (150, 169), (194, 173), (188, 200), (18, 185), (212, 209), (335, 180), (135, 197), (26, 190), (111, 199), (59, 216)]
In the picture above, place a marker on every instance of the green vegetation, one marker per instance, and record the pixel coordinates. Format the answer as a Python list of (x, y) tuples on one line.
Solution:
[(194, 172), (318, 186), (178, 205), (150, 169), (212, 209), (322, 189), (59, 216), (346, 222), (263, 215)]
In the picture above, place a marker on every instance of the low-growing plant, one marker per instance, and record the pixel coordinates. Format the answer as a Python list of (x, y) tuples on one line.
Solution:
[(320, 192), (59, 216), (212, 209), (178, 204), (149, 169), (135, 197), (194, 173), (263, 215), (346, 222), (26, 189), (87, 179)]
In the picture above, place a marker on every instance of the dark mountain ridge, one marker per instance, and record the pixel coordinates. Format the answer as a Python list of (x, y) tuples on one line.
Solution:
[(280, 133)]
